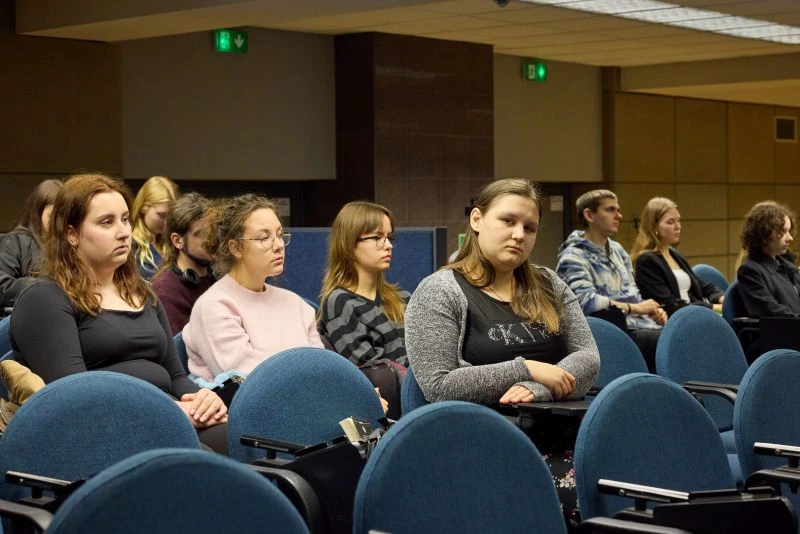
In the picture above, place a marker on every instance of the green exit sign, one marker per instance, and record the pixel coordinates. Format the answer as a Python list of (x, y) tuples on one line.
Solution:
[(230, 41), (534, 71)]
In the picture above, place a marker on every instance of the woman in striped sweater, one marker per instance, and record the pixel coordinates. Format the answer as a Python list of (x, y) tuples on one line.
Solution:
[(361, 313)]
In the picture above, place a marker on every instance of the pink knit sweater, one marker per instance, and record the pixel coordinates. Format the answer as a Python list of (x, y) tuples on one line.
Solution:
[(233, 328)]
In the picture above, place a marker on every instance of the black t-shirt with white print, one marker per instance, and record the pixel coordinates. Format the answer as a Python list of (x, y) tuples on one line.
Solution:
[(496, 334)]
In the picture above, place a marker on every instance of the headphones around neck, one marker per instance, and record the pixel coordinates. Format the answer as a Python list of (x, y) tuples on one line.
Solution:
[(188, 277)]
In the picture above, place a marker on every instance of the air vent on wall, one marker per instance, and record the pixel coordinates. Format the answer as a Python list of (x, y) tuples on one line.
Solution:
[(786, 129)]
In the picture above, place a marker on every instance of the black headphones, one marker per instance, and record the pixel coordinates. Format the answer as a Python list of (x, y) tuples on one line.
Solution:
[(188, 277)]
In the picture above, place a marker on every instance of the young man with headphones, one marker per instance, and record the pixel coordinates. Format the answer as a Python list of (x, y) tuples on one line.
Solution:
[(185, 274)]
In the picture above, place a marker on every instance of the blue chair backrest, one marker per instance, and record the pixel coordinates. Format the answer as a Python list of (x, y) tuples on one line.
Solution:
[(418, 253), (299, 395), (411, 396), (697, 344), (5, 341), (312, 303), (81, 424), (170, 490), (710, 274), (645, 429), (456, 467), (768, 409), (619, 355), (183, 355), (733, 305)]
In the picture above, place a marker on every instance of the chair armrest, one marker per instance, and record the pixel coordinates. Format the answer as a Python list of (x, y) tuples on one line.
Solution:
[(607, 524), (726, 391), (275, 446), (29, 515), (745, 321), (300, 493)]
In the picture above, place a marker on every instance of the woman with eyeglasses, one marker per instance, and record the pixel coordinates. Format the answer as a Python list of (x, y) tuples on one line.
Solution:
[(241, 320), (361, 313)]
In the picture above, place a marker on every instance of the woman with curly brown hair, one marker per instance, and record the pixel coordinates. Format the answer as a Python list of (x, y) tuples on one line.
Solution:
[(98, 312), (768, 283)]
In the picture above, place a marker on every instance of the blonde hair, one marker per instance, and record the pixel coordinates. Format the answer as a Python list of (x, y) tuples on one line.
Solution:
[(647, 240), (156, 190), (353, 220), (62, 263), (534, 298)]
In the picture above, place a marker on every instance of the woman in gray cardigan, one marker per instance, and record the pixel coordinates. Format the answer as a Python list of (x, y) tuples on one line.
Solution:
[(492, 328)]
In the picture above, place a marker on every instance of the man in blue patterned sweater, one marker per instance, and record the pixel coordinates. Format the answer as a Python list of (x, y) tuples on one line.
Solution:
[(599, 271)]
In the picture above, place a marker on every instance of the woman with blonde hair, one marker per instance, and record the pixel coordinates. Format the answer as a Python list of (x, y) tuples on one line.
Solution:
[(99, 313), (493, 328), (662, 273), (361, 313), (150, 209)]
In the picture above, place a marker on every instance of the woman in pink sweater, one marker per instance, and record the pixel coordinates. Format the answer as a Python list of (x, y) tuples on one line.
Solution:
[(241, 321)]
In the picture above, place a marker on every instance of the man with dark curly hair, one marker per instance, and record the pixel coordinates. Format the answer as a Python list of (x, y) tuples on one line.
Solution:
[(768, 283)]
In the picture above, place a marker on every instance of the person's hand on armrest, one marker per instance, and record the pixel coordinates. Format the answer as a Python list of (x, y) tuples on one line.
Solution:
[(645, 307), (659, 316), (204, 408), (516, 395), (559, 381)]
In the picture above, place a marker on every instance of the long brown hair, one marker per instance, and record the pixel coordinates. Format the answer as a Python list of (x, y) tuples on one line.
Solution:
[(62, 263), (226, 218), (42, 196), (761, 223), (534, 298), (352, 221), (156, 190), (646, 239)]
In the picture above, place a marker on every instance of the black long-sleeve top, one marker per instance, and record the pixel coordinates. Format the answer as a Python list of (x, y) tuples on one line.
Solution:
[(656, 281), (769, 286), (19, 258), (54, 339)]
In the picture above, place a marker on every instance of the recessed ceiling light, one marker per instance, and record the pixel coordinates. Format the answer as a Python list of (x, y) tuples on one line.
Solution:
[(683, 17)]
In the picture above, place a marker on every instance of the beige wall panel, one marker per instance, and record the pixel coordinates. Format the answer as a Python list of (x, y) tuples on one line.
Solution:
[(704, 201), (701, 141), (644, 145), (787, 155), (789, 194), (734, 228), (633, 197), (751, 148), (550, 132), (742, 197), (62, 105), (626, 235), (720, 262), (704, 238), (191, 113)]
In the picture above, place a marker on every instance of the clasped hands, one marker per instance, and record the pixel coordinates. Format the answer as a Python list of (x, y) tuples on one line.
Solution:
[(559, 381), (204, 408)]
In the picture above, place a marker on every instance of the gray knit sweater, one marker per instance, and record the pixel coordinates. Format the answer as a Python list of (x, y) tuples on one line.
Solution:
[(436, 321)]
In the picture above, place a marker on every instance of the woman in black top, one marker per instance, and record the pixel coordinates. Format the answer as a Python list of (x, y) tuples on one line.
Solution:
[(19, 250), (662, 274), (768, 283), (95, 312)]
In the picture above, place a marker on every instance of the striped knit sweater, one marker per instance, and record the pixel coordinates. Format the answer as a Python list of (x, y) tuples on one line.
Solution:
[(359, 329)]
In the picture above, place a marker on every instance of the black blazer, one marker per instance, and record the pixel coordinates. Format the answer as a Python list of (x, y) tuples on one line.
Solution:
[(656, 281), (769, 286)]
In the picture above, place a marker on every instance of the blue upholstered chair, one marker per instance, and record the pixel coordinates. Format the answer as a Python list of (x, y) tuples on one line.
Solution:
[(183, 355), (5, 341), (456, 467), (645, 429), (710, 274), (177, 491), (733, 305), (619, 355), (768, 410), (311, 303), (299, 395), (411, 396), (81, 424), (697, 344)]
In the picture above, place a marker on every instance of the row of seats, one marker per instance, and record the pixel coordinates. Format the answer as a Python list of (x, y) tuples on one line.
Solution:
[(446, 467)]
